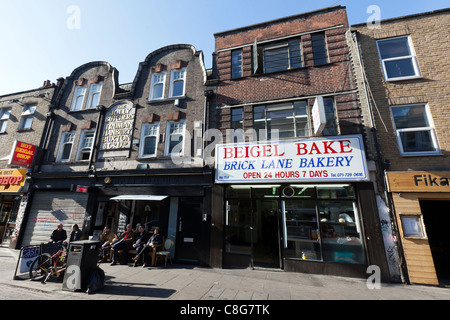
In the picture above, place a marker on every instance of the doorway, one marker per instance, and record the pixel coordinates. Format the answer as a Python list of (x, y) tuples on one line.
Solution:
[(436, 217)]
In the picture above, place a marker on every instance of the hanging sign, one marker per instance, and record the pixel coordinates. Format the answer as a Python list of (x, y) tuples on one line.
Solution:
[(22, 154), (339, 158), (11, 180)]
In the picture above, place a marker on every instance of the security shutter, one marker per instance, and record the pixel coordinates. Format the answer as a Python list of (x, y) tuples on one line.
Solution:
[(48, 209)]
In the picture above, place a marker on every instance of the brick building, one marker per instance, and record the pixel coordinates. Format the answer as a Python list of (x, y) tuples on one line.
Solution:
[(23, 116), (131, 153), (285, 93), (407, 89)]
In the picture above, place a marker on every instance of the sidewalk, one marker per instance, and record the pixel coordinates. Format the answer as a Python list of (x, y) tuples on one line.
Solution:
[(181, 282)]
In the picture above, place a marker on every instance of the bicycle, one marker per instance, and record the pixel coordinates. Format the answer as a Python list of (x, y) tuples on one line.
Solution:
[(49, 265)]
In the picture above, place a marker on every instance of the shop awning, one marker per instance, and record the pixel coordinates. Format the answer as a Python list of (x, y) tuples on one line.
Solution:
[(140, 197)]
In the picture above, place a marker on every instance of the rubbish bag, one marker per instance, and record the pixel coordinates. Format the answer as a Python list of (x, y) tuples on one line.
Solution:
[(96, 281)]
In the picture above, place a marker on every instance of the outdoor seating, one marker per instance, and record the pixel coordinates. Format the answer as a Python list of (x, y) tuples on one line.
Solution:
[(167, 250)]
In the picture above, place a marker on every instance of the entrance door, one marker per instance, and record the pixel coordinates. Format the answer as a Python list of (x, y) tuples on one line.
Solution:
[(436, 216), (266, 237), (191, 240)]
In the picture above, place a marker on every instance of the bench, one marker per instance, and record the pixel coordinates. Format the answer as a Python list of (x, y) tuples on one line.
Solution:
[(151, 254)]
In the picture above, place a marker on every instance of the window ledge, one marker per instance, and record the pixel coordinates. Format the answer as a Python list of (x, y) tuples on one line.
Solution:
[(424, 154), (166, 99), (404, 78)]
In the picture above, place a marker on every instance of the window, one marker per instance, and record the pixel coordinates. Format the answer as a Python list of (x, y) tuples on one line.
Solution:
[(414, 130), (65, 147), (149, 140), (86, 144), (398, 58), (236, 63), (94, 95), (177, 82), (26, 119), (4, 117), (331, 128), (174, 138), (78, 98), (287, 120), (319, 48), (157, 86), (282, 56)]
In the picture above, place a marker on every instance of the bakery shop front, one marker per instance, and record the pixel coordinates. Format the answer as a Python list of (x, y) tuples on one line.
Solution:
[(421, 203), (299, 205)]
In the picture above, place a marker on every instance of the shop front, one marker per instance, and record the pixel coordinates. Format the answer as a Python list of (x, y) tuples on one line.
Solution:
[(301, 205), (421, 203), (12, 199)]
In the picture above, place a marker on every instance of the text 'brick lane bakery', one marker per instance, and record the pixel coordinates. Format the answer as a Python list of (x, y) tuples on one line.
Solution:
[(303, 205)]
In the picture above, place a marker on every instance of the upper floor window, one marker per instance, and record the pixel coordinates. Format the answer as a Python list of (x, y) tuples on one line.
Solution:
[(94, 95), (65, 147), (26, 119), (236, 63), (414, 130), (4, 117), (175, 138), (157, 86), (149, 140), (319, 48), (331, 128), (177, 82), (86, 144), (398, 58), (78, 98), (282, 56)]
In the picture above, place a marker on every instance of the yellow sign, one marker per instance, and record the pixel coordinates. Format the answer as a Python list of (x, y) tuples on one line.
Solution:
[(417, 181), (11, 180)]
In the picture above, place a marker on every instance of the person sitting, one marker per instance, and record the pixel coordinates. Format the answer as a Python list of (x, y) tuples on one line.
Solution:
[(107, 239), (155, 240), (75, 235), (125, 243), (140, 243), (59, 235)]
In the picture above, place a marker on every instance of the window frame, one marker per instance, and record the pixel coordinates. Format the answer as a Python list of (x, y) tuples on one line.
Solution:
[(290, 45), (62, 143), (27, 113), (430, 128), (4, 119), (169, 134), (411, 56), (81, 146), (153, 83), (143, 137), (236, 63), (314, 49), (173, 80), (91, 94), (76, 96)]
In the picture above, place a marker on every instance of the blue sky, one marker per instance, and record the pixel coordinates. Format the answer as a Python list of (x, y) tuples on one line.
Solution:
[(47, 39)]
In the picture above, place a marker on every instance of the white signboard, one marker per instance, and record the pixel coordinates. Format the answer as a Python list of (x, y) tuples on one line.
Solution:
[(339, 158), (319, 117)]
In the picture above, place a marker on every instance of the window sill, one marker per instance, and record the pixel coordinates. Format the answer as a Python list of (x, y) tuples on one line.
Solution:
[(423, 154), (62, 163), (404, 78), (166, 99)]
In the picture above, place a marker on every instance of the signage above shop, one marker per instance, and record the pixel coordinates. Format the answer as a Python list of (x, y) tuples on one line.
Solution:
[(11, 180), (416, 181), (118, 127), (318, 115), (339, 158), (22, 154)]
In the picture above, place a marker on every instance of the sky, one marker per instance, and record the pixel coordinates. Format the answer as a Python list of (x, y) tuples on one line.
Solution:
[(47, 39)]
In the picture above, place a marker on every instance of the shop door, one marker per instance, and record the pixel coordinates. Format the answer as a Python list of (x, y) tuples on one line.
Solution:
[(190, 241), (265, 234), (436, 216)]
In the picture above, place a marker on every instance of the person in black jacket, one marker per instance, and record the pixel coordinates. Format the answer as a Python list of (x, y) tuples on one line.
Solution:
[(155, 239), (140, 242), (59, 235)]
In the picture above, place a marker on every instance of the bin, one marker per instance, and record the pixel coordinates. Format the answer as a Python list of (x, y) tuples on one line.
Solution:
[(81, 261)]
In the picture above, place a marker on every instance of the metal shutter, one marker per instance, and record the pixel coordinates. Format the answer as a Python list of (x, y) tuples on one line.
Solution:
[(48, 209)]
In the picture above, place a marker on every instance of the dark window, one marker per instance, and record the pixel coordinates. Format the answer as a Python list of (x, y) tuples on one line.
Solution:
[(319, 48), (282, 56), (236, 63)]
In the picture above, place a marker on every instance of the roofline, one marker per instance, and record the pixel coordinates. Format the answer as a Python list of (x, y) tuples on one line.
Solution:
[(25, 91), (279, 20), (415, 15)]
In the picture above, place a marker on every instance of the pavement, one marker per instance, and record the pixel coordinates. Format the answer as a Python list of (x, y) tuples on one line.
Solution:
[(193, 283)]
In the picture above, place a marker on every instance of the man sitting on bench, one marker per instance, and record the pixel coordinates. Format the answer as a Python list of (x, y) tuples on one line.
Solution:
[(125, 243), (155, 239)]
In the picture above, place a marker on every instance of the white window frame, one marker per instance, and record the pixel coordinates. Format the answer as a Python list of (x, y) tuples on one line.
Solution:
[(76, 95), (430, 128), (5, 113), (155, 134), (169, 135), (64, 141), (81, 144), (156, 79), (173, 80), (94, 89), (27, 113), (412, 56)]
